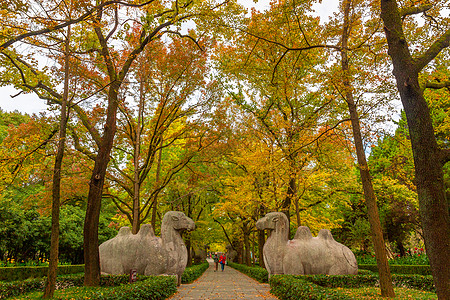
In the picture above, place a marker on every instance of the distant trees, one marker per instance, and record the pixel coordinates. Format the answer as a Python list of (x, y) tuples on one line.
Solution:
[(25, 233)]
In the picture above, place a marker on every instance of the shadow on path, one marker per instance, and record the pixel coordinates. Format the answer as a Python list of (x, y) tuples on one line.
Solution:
[(226, 285)]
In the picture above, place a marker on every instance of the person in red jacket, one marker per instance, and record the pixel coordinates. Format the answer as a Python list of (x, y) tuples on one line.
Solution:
[(222, 261)]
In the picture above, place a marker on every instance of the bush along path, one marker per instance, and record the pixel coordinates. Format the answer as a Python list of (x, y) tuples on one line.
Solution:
[(111, 286), (226, 285), (365, 285)]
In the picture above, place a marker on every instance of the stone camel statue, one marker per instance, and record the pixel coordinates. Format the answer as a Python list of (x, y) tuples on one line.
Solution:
[(147, 253), (304, 255)]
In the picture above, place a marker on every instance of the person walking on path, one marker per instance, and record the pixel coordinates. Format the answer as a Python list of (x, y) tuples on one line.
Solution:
[(216, 262), (222, 260)]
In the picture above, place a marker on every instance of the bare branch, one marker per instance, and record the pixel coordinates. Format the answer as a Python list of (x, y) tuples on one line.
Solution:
[(64, 24)]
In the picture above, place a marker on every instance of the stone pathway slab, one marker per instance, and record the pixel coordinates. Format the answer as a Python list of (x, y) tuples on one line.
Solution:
[(227, 285)]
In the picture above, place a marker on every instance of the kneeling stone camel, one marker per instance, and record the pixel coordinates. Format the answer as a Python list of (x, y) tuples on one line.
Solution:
[(147, 253), (304, 255)]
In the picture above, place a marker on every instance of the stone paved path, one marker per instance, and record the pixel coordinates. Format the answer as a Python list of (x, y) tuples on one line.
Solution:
[(227, 285)]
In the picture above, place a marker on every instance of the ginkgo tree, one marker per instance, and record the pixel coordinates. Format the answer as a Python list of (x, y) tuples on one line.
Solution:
[(278, 87)]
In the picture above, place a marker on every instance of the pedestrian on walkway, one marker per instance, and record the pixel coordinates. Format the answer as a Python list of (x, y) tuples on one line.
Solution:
[(222, 260), (216, 262)]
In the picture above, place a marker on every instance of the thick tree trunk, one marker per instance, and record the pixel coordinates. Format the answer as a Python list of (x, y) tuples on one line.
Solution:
[(50, 284), (190, 251), (246, 233), (91, 254), (261, 239), (428, 158), (387, 289)]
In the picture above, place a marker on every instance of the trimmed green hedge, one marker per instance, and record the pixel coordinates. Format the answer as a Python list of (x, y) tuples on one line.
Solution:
[(146, 287), (258, 273), (22, 273), (153, 287), (335, 281), (401, 269), (317, 286), (192, 273), (16, 288), (420, 282), (287, 287)]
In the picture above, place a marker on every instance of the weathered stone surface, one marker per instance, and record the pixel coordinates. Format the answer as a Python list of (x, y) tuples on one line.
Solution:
[(304, 254), (231, 253), (147, 253)]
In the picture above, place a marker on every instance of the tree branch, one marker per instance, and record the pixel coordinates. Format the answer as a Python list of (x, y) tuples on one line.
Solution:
[(441, 43), (436, 85), (64, 24), (414, 10)]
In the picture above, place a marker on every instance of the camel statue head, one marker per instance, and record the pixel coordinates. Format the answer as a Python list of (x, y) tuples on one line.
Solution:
[(178, 221), (274, 221)]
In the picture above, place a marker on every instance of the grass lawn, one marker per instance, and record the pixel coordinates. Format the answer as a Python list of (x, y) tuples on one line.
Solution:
[(375, 293)]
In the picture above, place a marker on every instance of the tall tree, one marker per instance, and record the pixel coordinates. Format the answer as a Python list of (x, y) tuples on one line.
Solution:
[(386, 286), (50, 284), (429, 158), (171, 90), (275, 85)]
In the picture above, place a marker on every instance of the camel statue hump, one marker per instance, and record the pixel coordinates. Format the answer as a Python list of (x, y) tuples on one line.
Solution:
[(146, 230), (124, 231), (303, 233), (325, 234)]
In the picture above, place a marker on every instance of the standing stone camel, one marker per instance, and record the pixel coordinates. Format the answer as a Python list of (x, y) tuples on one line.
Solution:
[(147, 253), (304, 254)]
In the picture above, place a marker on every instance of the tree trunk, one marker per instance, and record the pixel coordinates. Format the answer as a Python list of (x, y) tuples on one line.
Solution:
[(428, 157), (50, 284), (91, 254), (246, 233), (158, 171), (286, 205), (261, 239), (137, 150), (189, 250), (387, 289)]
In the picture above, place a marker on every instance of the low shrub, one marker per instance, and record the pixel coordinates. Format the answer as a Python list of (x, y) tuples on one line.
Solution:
[(400, 269), (16, 288), (347, 281), (153, 287), (22, 273), (413, 257), (419, 282), (193, 272), (258, 273), (291, 287), (319, 286)]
